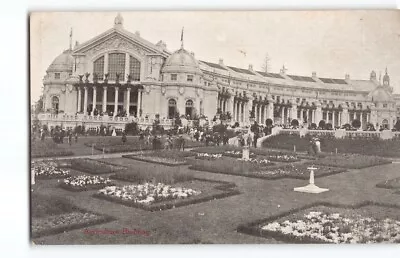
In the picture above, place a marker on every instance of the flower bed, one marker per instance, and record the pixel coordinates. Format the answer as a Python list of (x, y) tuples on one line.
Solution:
[(206, 190), (56, 224), (95, 166), (390, 184), (352, 161), (206, 156), (237, 154), (283, 158), (326, 223), (48, 170), (85, 183), (256, 170), (261, 162)]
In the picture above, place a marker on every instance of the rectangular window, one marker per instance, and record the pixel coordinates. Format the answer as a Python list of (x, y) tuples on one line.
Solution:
[(189, 78), (174, 77), (134, 68), (98, 68), (57, 76)]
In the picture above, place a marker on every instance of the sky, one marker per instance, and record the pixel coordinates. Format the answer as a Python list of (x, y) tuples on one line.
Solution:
[(331, 43)]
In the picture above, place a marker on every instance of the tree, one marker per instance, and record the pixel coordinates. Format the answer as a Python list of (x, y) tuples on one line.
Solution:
[(397, 125), (294, 123), (266, 64), (356, 123), (268, 122), (321, 124)]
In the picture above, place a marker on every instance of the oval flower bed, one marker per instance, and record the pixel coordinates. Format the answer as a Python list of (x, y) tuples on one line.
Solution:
[(298, 171), (146, 194), (261, 162), (327, 227), (67, 221), (237, 154), (207, 156), (49, 170), (283, 158), (84, 183)]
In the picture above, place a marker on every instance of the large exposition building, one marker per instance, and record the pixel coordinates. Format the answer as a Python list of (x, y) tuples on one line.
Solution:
[(119, 77)]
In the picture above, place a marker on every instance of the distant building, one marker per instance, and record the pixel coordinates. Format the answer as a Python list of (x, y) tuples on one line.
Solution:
[(119, 77)]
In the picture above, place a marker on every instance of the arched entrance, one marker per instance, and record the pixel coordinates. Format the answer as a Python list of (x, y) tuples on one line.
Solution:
[(171, 108), (385, 124), (55, 102), (189, 108)]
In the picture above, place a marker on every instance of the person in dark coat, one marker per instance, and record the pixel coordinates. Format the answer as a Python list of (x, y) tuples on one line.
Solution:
[(123, 138)]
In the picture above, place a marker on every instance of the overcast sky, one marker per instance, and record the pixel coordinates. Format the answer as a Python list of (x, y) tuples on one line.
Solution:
[(332, 43)]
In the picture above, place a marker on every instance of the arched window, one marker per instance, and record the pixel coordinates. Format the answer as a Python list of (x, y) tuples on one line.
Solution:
[(98, 68), (134, 68), (171, 108), (116, 64), (189, 108), (55, 102)]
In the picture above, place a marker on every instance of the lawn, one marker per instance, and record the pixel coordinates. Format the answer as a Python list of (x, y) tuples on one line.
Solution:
[(390, 184), (93, 166), (115, 144), (351, 161), (48, 148), (166, 157), (54, 215), (374, 147)]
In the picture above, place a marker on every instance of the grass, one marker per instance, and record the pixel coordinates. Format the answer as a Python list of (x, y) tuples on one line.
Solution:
[(47, 149), (374, 147), (390, 184), (94, 166), (115, 144), (139, 176), (351, 161), (42, 205)]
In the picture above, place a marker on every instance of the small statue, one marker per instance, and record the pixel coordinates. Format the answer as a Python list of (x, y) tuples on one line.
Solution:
[(106, 77), (95, 77), (81, 78), (87, 77), (117, 78), (129, 78)]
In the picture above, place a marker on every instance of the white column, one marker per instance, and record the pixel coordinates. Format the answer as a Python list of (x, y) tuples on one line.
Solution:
[(85, 100), (233, 110), (139, 102), (128, 100), (79, 98), (127, 61), (116, 102), (104, 99), (283, 115), (105, 63), (94, 99)]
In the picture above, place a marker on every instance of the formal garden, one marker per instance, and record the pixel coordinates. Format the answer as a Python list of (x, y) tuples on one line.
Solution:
[(213, 194)]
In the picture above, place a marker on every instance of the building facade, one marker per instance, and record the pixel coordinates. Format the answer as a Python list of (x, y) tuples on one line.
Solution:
[(119, 77)]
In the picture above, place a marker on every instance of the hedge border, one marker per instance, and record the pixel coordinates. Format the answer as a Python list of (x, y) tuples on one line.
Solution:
[(338, 171), (254, 228), (53, 231), (224, 186), (137, 157), (83, 189), (63, 154)]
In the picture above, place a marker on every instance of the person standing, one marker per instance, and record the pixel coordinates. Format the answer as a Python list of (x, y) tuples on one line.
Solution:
[(70, 138), (76, 137)]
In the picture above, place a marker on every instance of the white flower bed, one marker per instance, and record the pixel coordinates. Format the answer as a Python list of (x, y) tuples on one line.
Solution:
[(258, 161), (82, 181), (48, 169), (211, 156), (283, 158), (335, 228), (148, 193)]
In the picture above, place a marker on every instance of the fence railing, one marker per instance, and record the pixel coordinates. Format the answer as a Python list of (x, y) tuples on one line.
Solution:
[(385, 134)]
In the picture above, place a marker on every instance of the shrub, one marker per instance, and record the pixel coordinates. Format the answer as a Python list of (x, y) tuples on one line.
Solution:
[(294, 123), (328, 126), (321, 124), (268, 122), (131, 128), (397, 125)]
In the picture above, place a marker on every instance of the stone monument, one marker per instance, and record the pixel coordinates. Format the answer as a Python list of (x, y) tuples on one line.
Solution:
[(246, 153), (311, 187)]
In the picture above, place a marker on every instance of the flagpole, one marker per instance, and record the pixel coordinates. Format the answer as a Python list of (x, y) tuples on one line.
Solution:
[(182, 38)]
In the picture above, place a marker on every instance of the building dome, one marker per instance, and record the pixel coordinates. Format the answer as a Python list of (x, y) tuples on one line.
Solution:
[(380, 95), (62, 63), (181, 61)]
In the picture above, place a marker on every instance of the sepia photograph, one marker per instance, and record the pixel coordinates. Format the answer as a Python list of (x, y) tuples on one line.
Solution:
[(214, 127)]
